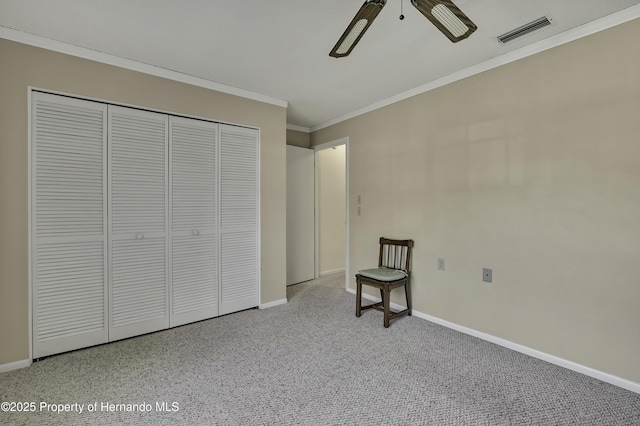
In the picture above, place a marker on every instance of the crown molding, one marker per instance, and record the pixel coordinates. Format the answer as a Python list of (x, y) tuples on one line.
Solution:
[(587, 29), (298, 128), (105, 58)]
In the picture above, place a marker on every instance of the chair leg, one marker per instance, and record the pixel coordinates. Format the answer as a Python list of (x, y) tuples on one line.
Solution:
[(358, 297), (407, 292), (386, 302)]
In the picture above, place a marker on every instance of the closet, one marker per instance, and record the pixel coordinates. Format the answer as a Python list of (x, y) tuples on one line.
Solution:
[(140, 221)]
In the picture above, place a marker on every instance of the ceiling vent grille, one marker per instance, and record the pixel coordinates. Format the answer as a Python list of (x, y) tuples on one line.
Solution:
[(525, 29)]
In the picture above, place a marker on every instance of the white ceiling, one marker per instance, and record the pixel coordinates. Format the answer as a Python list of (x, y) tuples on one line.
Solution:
[(280, 48)]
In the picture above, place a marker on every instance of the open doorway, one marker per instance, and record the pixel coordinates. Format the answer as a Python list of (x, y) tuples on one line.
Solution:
[(332, 210)]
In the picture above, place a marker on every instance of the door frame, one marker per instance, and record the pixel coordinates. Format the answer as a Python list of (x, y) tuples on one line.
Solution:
[(327, 145)]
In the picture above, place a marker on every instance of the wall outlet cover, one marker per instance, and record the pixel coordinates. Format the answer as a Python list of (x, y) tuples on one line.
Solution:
[(487, 275)]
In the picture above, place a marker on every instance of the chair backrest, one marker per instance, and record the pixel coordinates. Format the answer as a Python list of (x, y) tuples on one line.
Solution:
[(395, 254)]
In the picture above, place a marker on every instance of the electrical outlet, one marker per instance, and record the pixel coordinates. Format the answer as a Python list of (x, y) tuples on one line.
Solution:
[(441, 263), (487, 275)]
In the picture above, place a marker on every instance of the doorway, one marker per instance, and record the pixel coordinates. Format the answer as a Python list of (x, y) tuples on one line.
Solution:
[(332, 209), (317, 211)]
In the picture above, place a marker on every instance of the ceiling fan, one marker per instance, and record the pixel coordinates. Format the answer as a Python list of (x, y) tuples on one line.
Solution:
[(442, 13)]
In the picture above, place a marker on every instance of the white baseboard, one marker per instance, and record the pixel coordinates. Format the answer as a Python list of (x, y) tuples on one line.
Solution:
[(587, 371), (332, 271), (14, 365), (272, 304)]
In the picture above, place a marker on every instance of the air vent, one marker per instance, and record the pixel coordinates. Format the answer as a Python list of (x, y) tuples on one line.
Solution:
[(525, 29)]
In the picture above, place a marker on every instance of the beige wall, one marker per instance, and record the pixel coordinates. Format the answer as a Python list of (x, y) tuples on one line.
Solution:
[(532, 169), (330, 165), (22, 66), (298, 138)]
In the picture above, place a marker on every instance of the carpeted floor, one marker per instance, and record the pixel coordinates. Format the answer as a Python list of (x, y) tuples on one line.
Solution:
[(311, 362)]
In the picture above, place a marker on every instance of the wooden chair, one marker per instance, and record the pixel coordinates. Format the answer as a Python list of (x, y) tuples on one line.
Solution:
[(393, 271)]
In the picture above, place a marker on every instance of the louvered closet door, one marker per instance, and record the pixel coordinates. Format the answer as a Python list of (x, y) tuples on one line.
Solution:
[(193, 194), (68, 224), (138, 181), (239, 263)]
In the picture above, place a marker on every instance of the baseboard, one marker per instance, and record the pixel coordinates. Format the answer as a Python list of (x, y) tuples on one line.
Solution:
[(272, 304), (332, 271), (587, 371), (14, 365)]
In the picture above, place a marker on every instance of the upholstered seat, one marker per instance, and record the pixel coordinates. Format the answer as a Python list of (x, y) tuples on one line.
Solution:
[(383, 274)]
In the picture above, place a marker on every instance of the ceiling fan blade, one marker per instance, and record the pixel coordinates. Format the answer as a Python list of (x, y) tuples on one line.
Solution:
[(447, 18), (357, 28)]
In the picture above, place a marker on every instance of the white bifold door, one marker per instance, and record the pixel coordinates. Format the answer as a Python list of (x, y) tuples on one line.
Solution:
[(139, 296), (68, 224), (239, 263), (194, 206), (140, 221)]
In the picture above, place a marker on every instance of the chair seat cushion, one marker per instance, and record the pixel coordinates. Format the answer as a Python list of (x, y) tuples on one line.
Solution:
[(383, 274)]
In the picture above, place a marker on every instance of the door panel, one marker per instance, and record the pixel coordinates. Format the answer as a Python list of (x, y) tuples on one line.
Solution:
[(239, 260), (300, 215), (69, 223), (194, 202), (139, 296)]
